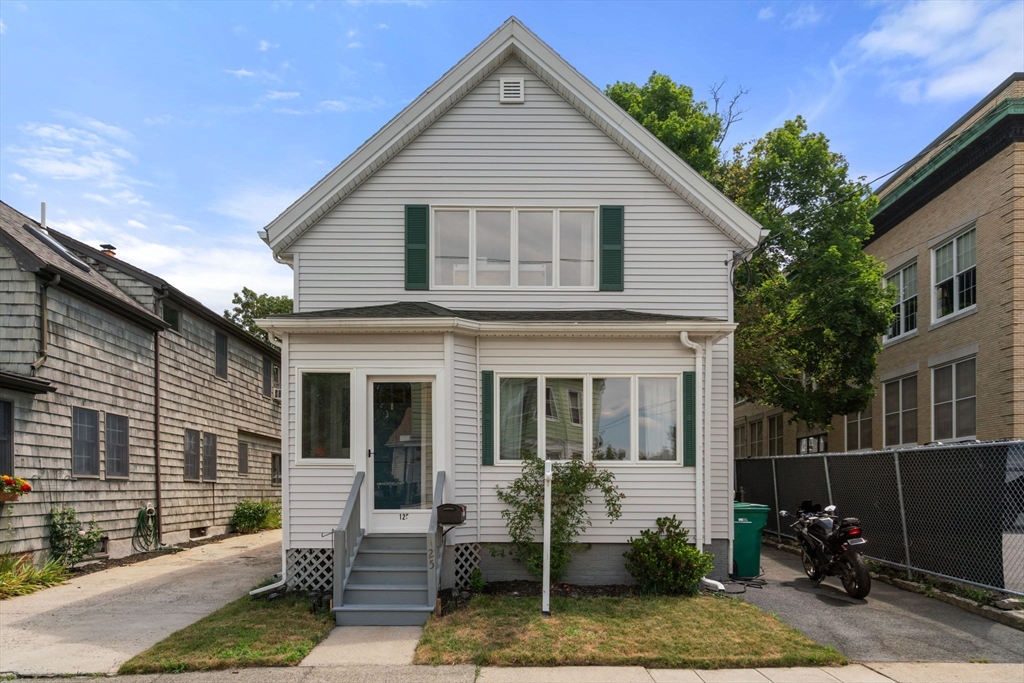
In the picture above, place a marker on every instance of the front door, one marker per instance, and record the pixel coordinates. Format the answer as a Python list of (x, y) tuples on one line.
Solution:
[(401, 454)]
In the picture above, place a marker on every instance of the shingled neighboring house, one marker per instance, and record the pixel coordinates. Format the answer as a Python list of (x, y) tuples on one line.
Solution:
[(118, 391)]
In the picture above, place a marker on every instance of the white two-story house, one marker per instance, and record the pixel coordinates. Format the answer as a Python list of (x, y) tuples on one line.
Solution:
[(511, 267)]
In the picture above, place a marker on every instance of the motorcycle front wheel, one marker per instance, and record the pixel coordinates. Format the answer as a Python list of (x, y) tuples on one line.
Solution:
[(855, 575), (812, 571)]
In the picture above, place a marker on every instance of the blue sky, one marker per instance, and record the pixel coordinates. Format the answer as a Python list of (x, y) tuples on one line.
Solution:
[(176, 130)]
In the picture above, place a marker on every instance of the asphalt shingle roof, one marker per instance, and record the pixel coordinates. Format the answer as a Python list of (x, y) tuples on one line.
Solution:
[(410, 309)]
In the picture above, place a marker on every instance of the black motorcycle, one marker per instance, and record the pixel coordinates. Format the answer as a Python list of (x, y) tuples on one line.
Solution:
[(829, 547)]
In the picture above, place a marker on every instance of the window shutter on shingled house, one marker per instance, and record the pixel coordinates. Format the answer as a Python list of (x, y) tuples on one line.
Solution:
[(690, 419), (417, 246), (612, 236), (487, 417)]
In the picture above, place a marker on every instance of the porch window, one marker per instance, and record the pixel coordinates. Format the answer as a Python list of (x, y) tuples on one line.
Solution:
[(613, 418), (657, 411), (517, 426), (326, 407), (563, 439)]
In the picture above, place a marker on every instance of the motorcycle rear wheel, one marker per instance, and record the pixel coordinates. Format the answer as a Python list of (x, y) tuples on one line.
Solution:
[(812, 571), (855, 575)]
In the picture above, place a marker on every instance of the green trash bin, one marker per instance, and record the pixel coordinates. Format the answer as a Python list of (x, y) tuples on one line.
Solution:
[(748, 521)]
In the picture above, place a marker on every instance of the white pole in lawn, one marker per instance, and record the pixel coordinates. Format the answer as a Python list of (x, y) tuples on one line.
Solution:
[(545, 608)]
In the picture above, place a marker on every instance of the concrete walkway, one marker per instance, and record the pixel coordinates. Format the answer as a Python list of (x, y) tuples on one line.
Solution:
[(96, 622), (888, 672)]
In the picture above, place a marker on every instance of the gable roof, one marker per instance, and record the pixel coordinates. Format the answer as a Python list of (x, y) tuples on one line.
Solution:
[(35, 250), (512, 39)]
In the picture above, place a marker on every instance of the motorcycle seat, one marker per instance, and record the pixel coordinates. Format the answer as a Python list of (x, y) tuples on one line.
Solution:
[(850, 521)]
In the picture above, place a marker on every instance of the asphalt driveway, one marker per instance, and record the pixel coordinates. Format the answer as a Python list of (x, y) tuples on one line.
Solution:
[(890, 625), (96, 622)]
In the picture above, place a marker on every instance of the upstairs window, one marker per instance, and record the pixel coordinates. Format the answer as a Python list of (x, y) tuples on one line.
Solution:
[(222, 355), (172, 316), (515, 248), (905, 309), (955, 275)]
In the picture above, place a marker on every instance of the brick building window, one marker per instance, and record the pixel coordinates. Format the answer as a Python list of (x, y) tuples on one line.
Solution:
[(6, 438), (955, 275), (85, 442), (775, 435), (899, 404), (739, 443), (905, 308), (954, 396), (117, 445), (816, 443), (191, 454), (756, 439), (858, 430)]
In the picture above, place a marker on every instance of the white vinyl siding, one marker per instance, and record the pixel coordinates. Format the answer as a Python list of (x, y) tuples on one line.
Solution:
[(542, 154)]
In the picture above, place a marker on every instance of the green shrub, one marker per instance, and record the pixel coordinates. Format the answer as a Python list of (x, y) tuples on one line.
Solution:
[(251, 516), (476, 581), (69, 541), (18, 576), (571, 484), (663, 562)]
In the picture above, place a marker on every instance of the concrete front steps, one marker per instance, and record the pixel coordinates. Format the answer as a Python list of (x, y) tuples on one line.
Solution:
[(388, 583)]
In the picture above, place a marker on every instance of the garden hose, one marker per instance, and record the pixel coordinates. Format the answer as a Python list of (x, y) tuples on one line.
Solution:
[(146, 538)]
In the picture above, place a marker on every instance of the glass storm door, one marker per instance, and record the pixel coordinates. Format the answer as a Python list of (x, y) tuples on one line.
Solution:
[(401, 458)]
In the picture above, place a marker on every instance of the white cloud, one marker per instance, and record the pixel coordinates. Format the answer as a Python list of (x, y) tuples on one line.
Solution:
[(17, 177), (353, 45), (944, 50), (265, 45), (132, 223), (108, 130), (278, 95), (804, 15), (292, 112), (254, 208), (382, 26), (98, 198), (766, 13), (351, 104), (352, 33), (129, 197), (3, 27), (158, 120), (241, 73)]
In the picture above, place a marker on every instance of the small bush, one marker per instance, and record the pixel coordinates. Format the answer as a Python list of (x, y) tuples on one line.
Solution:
[(18, 576), (476, 581), (663, 562), (69, 541), (251, 516)]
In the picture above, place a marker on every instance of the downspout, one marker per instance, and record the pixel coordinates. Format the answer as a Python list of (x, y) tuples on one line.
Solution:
[(44, 323), (156, 419), (698, 351)]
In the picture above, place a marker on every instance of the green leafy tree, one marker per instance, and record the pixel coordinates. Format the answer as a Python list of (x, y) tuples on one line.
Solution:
[(808, 300), (250, 307)]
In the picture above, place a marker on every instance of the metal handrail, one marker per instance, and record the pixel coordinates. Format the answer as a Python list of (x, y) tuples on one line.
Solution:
[(435, 541), (347, 536)]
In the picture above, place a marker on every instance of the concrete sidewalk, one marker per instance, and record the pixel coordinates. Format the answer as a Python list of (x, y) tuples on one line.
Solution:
[(94, 623), (887, 672)]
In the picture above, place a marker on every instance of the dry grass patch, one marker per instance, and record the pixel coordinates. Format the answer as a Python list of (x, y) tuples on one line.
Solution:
[(243, 633), (661, 632)]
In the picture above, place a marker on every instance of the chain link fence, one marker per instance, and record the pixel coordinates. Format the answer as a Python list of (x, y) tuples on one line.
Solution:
[(952, 511)]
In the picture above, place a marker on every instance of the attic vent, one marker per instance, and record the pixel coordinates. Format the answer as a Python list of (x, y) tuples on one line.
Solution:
[(511, 90)]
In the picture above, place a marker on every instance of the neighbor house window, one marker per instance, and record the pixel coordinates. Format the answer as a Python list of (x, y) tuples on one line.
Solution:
[(858, 430), (756, 439), (955, 275), (550, 409), (899, 399), (905, 309), (85, 442), (739, 444), (6, 438), (222, 355), (209, 456), (275, 469), (954, 397), (117, 445), (513, 248), (268, 385), (775, 435), (172, 316), (816, 443), (243, 457), (575, 407), (191, 454), (326, 406)]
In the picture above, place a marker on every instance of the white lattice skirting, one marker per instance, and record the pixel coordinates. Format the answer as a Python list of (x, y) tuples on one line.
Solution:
[(310, 569), (467, 558)]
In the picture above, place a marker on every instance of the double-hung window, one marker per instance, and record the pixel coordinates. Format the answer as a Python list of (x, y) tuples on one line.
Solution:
[(816, 443), (775, 434), (955, 275), (514, 248), (899, 398), (191, 454), (858, 430), (221, 366), (209, 456), (739, 442), (954, 398), (905, 309), (117, 445), (632, 418), (243, 457), (85, 442), (756, 439)]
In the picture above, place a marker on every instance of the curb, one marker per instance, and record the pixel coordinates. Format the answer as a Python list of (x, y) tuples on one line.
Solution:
[(1011, 618)]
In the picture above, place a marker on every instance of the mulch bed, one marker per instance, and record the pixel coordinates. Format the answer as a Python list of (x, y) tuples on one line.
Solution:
[(92, 566)]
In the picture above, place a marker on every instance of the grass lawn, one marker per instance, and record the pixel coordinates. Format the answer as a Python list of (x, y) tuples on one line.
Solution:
[(662, 632), (243, 633)]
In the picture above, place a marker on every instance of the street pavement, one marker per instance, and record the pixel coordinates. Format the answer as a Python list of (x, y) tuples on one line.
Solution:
[(890, 625), (94, 623)]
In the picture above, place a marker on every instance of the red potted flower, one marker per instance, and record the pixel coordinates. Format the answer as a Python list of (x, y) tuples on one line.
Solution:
[(11, 488)]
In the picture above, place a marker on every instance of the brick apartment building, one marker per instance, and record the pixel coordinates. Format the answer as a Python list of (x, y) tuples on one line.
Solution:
[(950, 229)]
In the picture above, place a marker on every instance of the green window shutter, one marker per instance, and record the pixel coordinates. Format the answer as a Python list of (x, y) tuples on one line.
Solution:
[(689, 419), (487, 421), (417, 246), (612, 230)]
